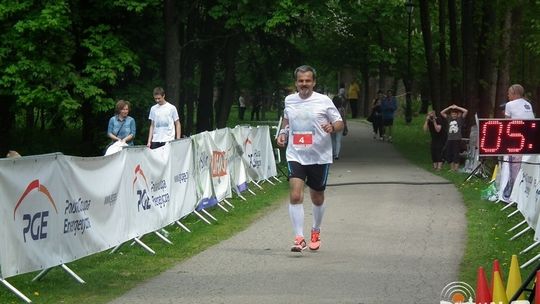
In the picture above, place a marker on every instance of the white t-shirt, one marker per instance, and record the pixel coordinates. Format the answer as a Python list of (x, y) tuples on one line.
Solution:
[(308, 143), (163, 117), (519, 108)]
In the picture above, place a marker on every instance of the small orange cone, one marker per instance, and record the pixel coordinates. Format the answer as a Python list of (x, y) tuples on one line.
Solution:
[(496, 267), (499, 295), (514, 279), (483, 296)]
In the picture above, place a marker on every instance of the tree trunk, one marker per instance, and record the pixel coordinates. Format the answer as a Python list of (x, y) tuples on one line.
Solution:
[(7, 117), (442, 57), (227, 98), (205, 112), (503, 72), (470, 90), (428, 42), (455, 75), (188, 62), (172, 52), (487, 71)]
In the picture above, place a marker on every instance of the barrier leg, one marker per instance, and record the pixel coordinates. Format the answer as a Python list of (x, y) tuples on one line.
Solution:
[(144, 246), (256, 184), (529, 262), (513, 213), (277, 179), (507, 205), (271, 183), (211, 216), (227, 202), (202, 217), (65, 268), (251, 191), (221, 206), (161, 236), (516, 226), (41, 274), (182, 226), (242, 197), (15, 291), (530, 247), (72, 274), (520, 233)]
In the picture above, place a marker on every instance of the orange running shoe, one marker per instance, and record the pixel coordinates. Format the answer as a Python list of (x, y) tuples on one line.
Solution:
[(315, 239), (299, 244)]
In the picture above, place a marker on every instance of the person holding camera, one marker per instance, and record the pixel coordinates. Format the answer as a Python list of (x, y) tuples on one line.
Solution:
[(456, 122), (434, 124)]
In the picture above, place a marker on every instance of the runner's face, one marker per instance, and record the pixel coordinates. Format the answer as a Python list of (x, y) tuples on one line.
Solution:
[(305, 84)]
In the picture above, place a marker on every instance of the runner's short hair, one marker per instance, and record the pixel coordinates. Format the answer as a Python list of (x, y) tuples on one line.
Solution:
[(304, 69)]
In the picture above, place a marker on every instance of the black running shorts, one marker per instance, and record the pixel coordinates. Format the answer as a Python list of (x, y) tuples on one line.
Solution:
[(314, 176)]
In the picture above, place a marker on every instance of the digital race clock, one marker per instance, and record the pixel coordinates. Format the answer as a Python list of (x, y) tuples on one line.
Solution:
[(507, 136)]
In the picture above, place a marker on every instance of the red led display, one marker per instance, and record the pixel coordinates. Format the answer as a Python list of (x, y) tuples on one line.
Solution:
[(508, 136)]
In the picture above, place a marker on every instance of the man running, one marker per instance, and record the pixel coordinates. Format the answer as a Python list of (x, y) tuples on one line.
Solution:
[(308, 120)]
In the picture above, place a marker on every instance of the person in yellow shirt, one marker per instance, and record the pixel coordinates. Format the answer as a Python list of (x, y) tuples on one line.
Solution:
[(353, 96)]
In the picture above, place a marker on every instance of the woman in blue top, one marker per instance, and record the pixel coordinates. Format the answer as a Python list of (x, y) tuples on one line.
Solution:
[(121, 126)]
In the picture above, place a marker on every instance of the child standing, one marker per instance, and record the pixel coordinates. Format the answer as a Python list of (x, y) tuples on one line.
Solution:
[(456, 121), (165, 122)]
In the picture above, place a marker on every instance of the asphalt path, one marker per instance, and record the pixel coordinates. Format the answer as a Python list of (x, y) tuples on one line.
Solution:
[(392, 233)]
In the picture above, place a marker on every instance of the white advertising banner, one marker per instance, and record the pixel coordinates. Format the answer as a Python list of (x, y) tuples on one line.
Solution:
[(257, 155), (183, 181), (203, 156), (56, 209), (221, 144)]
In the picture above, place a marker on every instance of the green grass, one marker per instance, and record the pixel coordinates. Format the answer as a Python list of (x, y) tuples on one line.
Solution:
[(108, 276), (487, 225)]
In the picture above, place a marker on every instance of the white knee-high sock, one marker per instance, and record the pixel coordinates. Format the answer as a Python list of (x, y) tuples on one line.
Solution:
[(318, 212), (296, 212)]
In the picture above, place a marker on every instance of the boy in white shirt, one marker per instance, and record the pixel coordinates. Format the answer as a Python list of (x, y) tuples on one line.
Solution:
[(165, 122)]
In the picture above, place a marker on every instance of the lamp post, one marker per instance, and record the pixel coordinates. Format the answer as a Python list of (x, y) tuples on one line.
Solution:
[(408, 83)]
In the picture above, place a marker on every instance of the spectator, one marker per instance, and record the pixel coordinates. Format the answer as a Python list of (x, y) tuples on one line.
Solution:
[(241, 107), (256, 104), (164, 121), (376, 116), (516, 107), (456, 121), (340, 102), (353, 94), (434, 124), (388, 108), (122, 127)]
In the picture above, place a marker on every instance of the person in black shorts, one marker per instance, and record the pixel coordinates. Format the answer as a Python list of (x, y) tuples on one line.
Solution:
[(308, 120)]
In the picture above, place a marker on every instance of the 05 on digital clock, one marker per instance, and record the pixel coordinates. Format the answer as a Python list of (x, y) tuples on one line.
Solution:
[(507, 136)]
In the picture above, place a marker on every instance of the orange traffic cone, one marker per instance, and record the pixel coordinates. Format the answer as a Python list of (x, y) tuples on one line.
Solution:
[(499, 295), (483, 296), (496, 267), (537, 288), (514, 279)]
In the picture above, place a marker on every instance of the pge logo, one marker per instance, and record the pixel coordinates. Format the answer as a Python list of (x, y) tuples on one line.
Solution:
[(35, 223), (143, 200), (219, 164)]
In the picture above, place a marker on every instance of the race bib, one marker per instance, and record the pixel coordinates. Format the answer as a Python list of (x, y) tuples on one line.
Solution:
[(302, 140)]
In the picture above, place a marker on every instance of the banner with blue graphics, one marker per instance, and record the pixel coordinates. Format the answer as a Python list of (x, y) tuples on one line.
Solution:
[(56, 208)]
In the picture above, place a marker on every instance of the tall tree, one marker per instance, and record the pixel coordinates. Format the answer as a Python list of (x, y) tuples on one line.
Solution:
[(443, 62), (428, 51)]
